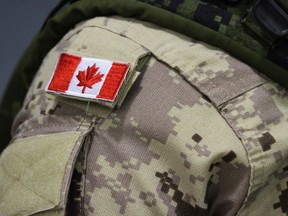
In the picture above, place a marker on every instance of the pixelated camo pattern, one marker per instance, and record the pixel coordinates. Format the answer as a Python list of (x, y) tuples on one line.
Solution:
[(220, 16), (173, 167), (259, 118), (199, 133)]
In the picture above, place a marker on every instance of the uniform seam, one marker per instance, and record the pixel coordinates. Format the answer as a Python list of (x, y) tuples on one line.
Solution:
[(220, 106), (178, 71), (252, 167), (203, 95), (69, 127), (72, 161)]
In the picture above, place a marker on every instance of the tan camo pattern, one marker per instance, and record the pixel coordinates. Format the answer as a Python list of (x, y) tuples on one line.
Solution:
[(215, 73), (260, 119), (197, 133), (163, 168)]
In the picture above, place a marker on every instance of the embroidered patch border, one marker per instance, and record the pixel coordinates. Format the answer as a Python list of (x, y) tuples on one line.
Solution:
[(87, 78)]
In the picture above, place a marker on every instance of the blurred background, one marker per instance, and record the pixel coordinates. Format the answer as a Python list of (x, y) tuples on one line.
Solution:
[(20, 20)]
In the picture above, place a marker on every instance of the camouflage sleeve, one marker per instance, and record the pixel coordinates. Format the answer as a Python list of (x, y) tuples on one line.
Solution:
[(197, 132)]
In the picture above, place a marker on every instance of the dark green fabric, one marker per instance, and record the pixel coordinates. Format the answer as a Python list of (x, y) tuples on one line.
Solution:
[(57, 26), (261, 33), (284, 4)]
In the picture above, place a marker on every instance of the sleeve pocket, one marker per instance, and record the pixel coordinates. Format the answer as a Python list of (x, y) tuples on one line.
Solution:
[(35, 172)]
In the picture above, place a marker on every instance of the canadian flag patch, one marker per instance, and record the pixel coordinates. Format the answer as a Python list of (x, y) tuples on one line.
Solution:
[(89, 78)]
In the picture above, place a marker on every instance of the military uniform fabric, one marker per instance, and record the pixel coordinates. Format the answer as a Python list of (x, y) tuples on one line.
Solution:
[(198, 133), (232, 27), (237, 21)]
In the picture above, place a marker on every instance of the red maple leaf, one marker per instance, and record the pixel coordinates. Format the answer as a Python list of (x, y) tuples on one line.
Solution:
[(88, 77)]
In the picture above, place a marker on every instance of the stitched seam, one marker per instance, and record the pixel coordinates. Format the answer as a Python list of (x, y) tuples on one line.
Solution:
[(167, 63), (64, 188), (251, 164)]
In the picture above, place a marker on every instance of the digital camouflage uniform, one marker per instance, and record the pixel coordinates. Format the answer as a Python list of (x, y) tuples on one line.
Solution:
[(194, 131)]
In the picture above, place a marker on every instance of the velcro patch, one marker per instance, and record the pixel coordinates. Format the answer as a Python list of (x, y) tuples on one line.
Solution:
[(87, 78)]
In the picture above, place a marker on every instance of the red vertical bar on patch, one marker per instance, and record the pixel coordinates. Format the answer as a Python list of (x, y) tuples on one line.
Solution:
[(64, 72), (113, 81)]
